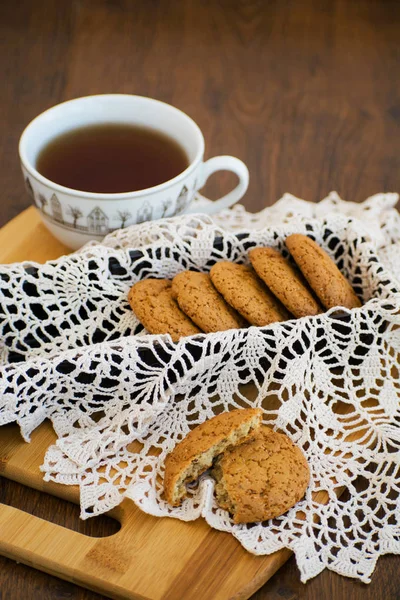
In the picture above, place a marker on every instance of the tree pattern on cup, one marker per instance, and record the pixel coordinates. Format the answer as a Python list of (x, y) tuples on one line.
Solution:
[(29, 188), (166, 204), (124, 215), (42, 202), (182, 200), (97, 222), (75, 213)]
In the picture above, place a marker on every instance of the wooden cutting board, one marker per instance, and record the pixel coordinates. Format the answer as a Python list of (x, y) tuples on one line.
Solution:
[(149, 558)]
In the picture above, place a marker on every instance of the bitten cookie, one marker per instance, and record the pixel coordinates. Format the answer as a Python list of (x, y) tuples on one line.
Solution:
[(152, 303), (245, 292), (331, 287), (284, 281), (200, 301), (196, 452), (262, 478)]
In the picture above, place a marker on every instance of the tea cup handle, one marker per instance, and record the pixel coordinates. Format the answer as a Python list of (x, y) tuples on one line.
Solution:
[(223, 163)]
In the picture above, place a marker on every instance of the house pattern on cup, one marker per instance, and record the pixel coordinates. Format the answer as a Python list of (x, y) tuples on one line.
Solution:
[(56, 209), (97, 222)]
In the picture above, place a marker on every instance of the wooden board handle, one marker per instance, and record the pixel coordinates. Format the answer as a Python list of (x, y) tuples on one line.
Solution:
[(65, 553)]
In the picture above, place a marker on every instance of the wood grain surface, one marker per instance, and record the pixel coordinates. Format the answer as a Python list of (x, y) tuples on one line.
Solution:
[(306, 92)]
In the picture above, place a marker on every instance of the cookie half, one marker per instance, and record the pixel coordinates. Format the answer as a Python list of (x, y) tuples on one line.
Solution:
[(200, 301), (284, 281), (196, 452), (329, 284), (246, 293), (262, 478), (154, 306)]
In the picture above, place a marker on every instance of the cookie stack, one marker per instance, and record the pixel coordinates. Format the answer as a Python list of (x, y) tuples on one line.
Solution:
[(259, 473), (233, 296)]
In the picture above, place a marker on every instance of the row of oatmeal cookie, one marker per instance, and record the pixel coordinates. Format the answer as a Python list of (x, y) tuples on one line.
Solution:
[(232, 296)]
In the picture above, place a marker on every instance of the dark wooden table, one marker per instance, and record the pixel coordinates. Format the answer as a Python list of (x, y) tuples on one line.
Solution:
[(306, 93)]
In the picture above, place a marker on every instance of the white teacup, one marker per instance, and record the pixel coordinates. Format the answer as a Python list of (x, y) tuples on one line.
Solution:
[(75, 217)]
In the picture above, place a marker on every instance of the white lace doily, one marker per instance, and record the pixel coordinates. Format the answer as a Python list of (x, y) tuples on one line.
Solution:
[(119, 399)]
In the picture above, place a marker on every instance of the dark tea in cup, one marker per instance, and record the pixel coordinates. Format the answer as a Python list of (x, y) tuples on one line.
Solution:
[(111, 158)]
